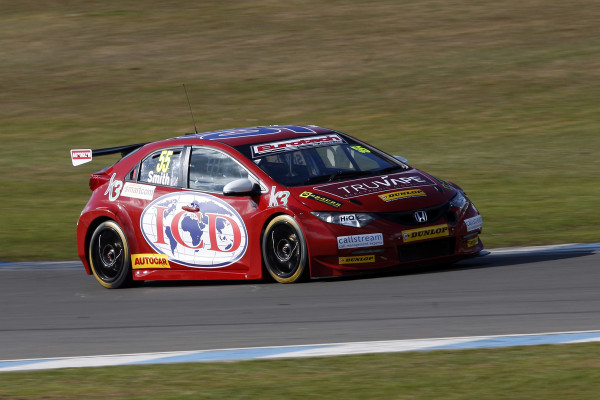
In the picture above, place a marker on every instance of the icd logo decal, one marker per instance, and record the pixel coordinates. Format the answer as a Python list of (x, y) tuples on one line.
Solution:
[(196, 230)]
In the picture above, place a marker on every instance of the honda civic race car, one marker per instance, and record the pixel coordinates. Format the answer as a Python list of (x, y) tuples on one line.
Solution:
[(289, 202)]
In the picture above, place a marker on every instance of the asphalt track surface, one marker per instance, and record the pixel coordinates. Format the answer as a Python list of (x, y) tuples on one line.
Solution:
[(56, 310)]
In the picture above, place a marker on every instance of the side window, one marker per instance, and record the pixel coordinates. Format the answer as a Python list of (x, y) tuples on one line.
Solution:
[(162, 168), (211, 170)]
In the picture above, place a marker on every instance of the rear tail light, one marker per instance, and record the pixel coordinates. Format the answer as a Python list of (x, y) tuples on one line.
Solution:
[(98, 179)]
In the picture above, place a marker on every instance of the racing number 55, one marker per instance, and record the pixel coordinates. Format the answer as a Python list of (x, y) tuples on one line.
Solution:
[(164, 161)]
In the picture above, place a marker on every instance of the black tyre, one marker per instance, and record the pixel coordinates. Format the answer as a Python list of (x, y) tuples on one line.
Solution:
[(109, 256), (284, 250)]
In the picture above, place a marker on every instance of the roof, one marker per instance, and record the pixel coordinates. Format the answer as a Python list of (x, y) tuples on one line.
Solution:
[(258, 134)]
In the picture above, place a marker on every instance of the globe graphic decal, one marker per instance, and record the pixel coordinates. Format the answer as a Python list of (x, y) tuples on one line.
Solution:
[(211, 235)]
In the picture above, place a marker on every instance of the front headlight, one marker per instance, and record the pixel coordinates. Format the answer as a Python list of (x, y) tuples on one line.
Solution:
[(459, 203), (357, 220)]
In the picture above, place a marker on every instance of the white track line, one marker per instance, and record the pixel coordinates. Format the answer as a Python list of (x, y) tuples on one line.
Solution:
[(318, 350)]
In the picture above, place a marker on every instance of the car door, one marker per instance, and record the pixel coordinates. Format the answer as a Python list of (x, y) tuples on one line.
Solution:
[(197, 226)]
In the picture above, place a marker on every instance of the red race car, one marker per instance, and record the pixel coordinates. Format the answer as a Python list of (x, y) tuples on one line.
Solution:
[(290, 202)]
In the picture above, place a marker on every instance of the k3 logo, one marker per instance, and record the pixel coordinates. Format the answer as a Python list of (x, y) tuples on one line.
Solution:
[(278, 198), (114, 188)]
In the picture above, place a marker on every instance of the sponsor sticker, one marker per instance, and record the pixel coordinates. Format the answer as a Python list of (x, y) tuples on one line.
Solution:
[(361, 149), (137, 191), (295, 144), (402, 194), (430, 232), (322, 199), (81, 156), (149, 261), (278, 198), (384, 183), (114, 188), (355, 241), (473, 242), (474, 223), (255, 131), (357, 259), (194, 229)]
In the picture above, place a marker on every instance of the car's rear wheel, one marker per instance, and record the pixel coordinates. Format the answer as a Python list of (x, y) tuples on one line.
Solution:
[(109, 256), (284, 250)]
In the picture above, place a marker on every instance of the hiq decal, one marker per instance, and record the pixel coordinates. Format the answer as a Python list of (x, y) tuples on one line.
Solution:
[(196, 230)]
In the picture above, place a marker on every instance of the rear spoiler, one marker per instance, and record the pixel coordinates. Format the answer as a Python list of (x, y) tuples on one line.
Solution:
[(82, 156)]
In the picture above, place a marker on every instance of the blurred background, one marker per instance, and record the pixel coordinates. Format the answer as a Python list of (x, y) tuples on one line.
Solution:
[(500, 97)]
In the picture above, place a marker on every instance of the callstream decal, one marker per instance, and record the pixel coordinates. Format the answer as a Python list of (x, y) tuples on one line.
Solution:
[(402, 194), (149, 261), (365, 186), (474, 223), (137, 191), (357, 259), (196, 230), (322, 199), (295, 144), (355, 241), (429, 232)]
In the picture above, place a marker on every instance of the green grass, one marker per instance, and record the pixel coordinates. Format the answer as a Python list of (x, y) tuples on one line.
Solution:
[(560, 372), (498, 96)]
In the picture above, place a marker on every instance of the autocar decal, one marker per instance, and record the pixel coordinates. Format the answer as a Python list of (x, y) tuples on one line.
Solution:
[(278, 198), (355, 241), (357, 259), (402, 194), (295, 144), (365, 186), (196, 230), (430, 232), (149, 261), (323, 199)]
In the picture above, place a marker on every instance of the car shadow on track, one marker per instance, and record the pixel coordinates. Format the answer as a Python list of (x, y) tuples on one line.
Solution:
[(480, 262), (488, 261)]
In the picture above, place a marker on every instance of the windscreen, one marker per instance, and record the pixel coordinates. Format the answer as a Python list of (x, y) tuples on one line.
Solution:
[(316, 159)]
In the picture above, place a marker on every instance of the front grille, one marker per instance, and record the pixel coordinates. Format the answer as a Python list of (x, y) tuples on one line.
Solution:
[(434, 214), (424, 250)]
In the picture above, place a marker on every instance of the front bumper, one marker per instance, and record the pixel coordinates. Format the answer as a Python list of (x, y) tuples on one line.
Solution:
[(441, 241)]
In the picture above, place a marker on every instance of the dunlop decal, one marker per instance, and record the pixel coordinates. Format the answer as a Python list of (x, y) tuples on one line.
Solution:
[(322, 199), (357, 259), (149, 261), (402, 194), (430, 232)]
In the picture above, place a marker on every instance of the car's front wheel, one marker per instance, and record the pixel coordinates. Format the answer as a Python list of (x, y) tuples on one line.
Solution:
[(284, 250), (109, 256)]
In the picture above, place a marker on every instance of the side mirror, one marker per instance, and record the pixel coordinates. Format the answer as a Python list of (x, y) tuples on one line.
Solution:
[(241, 187), (402, 159)]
